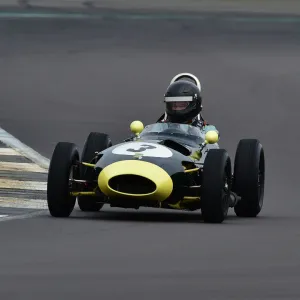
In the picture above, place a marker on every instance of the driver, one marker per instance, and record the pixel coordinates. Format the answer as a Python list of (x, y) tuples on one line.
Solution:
[(183, 102)]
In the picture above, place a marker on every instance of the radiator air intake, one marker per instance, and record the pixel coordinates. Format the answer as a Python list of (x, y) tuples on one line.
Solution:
[(135, 179), (132, 184)]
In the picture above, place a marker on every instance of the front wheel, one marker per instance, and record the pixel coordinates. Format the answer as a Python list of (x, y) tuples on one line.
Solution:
[(249, 177), (96, 142), (62, 168), (216, 186)]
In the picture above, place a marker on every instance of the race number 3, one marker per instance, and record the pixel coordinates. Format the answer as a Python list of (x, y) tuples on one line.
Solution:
[(146, 149), (143, 148)]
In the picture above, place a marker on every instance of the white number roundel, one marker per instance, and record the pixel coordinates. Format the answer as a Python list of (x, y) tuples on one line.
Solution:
[(146, 149)]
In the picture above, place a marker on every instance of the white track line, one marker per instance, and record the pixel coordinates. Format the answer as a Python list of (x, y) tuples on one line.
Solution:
[(21, 167), (23, 216), (40, 164), (23, 185), (23, 149), (22, 203), (9, 151)]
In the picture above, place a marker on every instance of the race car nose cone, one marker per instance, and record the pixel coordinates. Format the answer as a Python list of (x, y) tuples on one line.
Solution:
[(135, 179)]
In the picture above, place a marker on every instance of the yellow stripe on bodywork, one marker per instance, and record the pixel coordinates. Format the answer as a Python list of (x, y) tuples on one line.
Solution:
[(88, 164), (162, 180), (186, 200), (76, 194), (191, 170)]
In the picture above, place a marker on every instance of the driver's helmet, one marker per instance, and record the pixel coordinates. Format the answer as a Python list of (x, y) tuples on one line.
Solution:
[(183, 98)]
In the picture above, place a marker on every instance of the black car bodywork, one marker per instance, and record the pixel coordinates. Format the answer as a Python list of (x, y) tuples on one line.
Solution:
[(166, 165)]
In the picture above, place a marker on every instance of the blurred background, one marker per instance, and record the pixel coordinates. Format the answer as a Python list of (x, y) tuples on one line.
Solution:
[(71, 67)]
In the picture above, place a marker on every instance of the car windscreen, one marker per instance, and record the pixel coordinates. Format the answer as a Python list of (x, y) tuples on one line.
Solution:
[(182, 132)]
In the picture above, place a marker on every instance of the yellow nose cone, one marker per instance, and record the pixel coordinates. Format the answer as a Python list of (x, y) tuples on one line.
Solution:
[(135, 179)]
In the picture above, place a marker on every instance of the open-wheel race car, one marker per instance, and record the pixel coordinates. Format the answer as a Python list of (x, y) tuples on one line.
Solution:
[(164, 165)]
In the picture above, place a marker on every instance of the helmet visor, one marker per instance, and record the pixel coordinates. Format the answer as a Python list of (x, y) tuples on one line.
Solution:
[(177, 106)]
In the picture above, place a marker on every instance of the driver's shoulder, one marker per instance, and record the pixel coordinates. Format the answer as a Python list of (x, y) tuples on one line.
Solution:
[(161, 119)]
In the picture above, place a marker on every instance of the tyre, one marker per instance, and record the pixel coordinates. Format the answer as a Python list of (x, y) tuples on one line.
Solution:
[(62, 168), (249, 177), (96, 142), (216, 186)]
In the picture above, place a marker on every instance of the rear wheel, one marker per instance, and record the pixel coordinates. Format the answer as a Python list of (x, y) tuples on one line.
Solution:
[(96, 142), (249, 177), (62, 168), (216, 186)]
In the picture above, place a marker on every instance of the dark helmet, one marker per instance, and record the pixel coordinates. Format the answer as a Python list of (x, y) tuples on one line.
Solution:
[(183, 100)]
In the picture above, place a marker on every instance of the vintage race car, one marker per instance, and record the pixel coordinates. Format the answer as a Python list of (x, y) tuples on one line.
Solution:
[(164, 165)]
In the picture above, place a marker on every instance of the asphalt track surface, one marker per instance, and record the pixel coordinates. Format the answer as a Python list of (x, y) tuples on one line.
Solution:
[(61, 79)]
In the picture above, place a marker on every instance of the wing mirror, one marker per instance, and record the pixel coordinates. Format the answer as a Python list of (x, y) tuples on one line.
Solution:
[(211, 137), (136, 127)]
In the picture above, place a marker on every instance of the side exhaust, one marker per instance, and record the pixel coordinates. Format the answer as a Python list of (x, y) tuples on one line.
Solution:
[(135, 180)]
